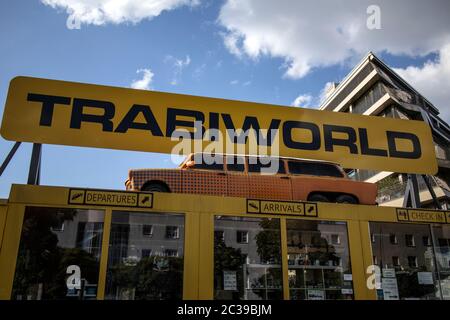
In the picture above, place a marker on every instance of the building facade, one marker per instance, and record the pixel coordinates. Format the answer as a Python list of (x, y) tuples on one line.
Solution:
[(372, 88)]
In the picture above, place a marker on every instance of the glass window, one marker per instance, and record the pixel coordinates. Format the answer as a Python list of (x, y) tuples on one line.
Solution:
[(208, 162), (393, 238), (426, 241), (147, 230), (172, 232), (409, 240), (250, 271), (142, 267), (241, 236), (443, 258), (53, 239), (256, 165), (314, 169), (408, 272), (319, 269), (235, 163)]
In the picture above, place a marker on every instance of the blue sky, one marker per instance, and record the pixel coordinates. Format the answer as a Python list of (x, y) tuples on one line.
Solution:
[(187, 48)]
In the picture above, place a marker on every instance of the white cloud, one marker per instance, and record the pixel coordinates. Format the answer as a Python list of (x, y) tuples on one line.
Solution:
[(309, 34), (100, 12), (432, 81), (178, 66), (234, 82), (145, 82), (303, 101)]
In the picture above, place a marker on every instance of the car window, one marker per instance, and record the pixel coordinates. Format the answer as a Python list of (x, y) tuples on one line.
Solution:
[(235, 164), (201, 164), (255, 165), (314, 169)]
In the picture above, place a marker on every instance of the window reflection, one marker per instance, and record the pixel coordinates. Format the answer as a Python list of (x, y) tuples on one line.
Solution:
[(52, 239), (145, 256), (318, 259), (442, 249), (407, 265), (247, 258)]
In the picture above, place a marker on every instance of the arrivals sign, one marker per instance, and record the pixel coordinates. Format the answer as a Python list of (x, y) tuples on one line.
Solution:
[(77, 114)]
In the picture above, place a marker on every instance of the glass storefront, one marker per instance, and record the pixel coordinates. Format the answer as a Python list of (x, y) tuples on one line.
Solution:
[(247, 258), (53, 239), (411, 267), (146, 252), (441, 236), (318, 260)]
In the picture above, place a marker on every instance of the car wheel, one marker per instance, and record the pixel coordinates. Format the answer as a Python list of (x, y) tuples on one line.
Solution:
[(345, 198), (317, 197), (155, 187)]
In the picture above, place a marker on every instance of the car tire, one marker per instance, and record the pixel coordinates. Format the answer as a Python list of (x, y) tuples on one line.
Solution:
[(155, 187), (317, 197), (345, 198)]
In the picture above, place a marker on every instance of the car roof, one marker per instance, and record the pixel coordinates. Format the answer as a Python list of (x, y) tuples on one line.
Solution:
[(259, 156)]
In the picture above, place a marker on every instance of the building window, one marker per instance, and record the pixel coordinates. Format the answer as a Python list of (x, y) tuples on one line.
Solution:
[(412, 261), (443, 242), (335, 239), (409, 239), (372, 236), (219, 235), (146, 253), (426, 241), (147, 230), (58, 227), (375, 260), (172, 232), (171, 253), (393, 238), (242, 236), (396, 261)]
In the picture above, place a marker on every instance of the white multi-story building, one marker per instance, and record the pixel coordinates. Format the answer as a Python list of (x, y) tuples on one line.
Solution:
[(372, 88)]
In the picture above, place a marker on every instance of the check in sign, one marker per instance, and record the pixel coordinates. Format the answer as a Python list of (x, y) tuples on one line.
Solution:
[(77, 114), (421, 215)]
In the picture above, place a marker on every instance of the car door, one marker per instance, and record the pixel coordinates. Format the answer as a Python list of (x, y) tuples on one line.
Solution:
[(262, 185), (205, 178), (237, 178)]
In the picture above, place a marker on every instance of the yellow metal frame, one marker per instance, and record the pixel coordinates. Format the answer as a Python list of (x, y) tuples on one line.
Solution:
[(199, 211)]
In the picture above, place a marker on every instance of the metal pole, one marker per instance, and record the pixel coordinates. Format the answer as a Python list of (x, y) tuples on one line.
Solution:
[(412, 198), (35, 164), (415, 198), (9, 157), (430, 189)]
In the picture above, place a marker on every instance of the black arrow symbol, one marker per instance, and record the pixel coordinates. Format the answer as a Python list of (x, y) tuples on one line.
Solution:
[(310, 209), (253, 206), (76, 196), (146, 199)]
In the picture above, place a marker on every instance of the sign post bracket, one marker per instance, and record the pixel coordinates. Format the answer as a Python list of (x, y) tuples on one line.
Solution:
[(35, 164), (9, 156)]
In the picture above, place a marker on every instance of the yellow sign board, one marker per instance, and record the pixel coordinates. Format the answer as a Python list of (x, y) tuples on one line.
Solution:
[(110, 198), (77, 114), (297, 208), (422, 215)]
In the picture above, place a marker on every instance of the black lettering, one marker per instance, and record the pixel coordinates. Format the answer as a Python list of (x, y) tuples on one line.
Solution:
[(313, 128), (173, 122), (365, 149), (330, 142), (78, 116), (250, 123), (213, 124), (416, 153), (48, 104), (150, 121)]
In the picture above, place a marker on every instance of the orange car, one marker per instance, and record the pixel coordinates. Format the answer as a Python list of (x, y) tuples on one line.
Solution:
[(240, 176)]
